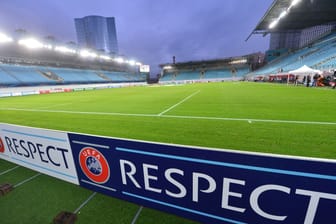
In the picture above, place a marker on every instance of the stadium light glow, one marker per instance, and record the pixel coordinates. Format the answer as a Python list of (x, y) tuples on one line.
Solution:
[(34, 44), (119, 60), (131, 62), (105, 57), (5, 39), (86, 54), (48, 46), (273, 24), (167, 67), (283, 14), (294, 2), (64, 49), (239, 61)]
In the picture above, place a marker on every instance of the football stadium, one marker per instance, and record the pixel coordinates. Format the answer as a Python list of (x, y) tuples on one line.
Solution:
[(90, 138)]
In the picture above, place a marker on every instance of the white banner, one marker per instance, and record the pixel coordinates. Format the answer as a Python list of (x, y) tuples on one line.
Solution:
[(144, 68), (45, 151)]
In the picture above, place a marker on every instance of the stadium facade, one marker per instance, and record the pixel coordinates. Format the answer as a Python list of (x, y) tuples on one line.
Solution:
[(97, 32), (294, 39), (295, 24)]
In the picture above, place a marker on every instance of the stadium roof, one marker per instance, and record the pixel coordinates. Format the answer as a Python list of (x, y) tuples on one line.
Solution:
[(284, 15)]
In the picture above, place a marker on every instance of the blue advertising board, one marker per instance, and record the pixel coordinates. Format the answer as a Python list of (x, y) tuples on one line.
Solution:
[(210, 186), (206, 185)]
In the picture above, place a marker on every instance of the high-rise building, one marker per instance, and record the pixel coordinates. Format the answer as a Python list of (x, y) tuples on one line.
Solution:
[(98, 33)]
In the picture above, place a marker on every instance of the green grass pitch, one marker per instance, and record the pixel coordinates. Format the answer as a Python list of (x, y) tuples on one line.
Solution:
[(254, 117)]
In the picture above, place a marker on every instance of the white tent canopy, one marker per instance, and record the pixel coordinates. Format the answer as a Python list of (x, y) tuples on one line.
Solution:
[(305, 70)]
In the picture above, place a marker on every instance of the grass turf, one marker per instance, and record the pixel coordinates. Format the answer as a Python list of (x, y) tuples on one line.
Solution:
[(191, 115)]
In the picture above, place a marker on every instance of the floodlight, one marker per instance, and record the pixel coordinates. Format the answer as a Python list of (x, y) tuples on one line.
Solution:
[(5, 39), (273, 24), (283, 14), (86, 53), (64, 49), (294, 2), (31, 43), (167, 67), (138, 63), (48, 46), (131, 62), (238, 61), (119, 60), (105, 57)]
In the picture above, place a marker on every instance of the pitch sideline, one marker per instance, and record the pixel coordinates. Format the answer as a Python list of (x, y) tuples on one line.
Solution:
[(249, 120)]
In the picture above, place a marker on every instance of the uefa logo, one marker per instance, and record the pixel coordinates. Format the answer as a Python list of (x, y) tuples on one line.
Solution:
[(94, 165), (2, 147)]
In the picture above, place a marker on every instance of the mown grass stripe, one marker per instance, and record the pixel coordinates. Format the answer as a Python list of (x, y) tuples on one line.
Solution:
[(174, 116)]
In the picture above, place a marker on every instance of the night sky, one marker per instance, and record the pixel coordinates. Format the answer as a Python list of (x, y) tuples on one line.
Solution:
[(150, 31)]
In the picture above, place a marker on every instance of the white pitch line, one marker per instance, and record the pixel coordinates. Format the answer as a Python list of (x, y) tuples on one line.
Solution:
[(182, 101), (174, 116), (249, 119), (85, 202), (25, 181), (80, 112), (137, 215), (9, 170)]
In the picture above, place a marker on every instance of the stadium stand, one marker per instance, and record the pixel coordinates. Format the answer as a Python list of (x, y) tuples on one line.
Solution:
[(188, 75), (205, 75), (7, 79), (27, 75), (319, 55), (227, 69), (75, 75), (303, 33), (168, 77), (22, 75), (20, 66)]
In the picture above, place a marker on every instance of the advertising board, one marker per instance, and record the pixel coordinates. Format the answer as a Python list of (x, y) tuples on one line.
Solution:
[(206, 185)]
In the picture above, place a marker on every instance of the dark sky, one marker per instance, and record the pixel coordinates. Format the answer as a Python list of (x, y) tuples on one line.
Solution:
[(151, 31)]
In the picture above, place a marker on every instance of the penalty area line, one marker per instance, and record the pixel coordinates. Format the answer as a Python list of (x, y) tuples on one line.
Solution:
[(177, 104)]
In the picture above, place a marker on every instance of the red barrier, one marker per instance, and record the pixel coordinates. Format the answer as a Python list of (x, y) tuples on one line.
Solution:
[(44, 91)]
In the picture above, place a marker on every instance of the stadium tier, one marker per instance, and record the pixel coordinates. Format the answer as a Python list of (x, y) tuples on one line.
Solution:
[(24, 75), (319, 55), (234, 68), (218, 74), (27, 66)]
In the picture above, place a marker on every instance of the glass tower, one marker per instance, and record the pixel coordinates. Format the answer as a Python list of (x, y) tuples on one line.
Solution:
[(97, 32)]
